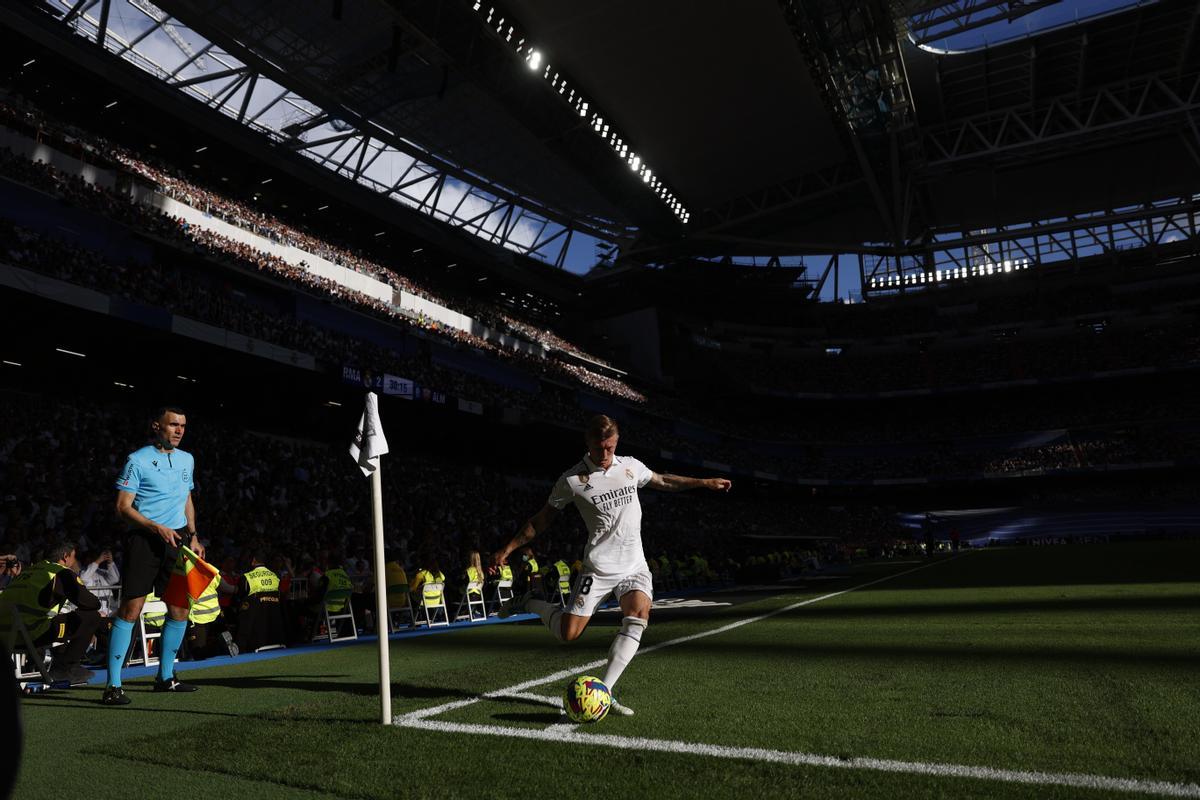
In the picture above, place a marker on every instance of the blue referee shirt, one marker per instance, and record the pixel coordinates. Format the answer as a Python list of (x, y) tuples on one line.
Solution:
[(159, 481)]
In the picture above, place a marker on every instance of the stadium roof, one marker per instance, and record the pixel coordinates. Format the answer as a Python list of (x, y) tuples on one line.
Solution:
[(702, 127)]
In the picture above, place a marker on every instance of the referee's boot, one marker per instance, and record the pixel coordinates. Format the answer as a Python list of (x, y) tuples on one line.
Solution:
[(115, 696), (174, 685)]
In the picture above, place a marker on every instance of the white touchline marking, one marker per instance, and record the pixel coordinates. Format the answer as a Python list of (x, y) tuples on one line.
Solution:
[(559, 732), (556, 733)]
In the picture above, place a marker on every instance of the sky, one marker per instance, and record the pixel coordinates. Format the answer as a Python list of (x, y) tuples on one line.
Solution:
[(1067, 12)]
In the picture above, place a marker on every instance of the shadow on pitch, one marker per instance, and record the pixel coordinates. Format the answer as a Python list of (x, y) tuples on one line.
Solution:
[(330, 683), (542, 718)]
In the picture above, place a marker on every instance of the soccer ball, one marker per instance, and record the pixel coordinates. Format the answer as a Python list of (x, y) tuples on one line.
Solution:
[(587, 699)]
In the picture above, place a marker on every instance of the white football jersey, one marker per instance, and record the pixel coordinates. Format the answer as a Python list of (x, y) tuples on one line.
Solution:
[(608, 502)]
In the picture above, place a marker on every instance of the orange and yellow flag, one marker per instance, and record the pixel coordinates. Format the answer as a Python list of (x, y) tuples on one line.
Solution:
[(190, 577)]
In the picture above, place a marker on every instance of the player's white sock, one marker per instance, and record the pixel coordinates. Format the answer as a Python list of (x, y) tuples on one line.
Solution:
[(551, 614), (624, 647)]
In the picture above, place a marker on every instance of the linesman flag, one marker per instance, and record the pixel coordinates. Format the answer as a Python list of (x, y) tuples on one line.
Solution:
[(369, 442), (190, 577)]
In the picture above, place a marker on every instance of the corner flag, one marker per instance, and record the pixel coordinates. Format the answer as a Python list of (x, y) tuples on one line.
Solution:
[(369, 442), (368, 445)]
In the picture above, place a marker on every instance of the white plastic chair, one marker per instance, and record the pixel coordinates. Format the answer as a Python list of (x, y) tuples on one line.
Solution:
[(472, 600)]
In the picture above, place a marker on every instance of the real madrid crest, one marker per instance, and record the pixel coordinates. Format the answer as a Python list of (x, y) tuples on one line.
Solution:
[(629, 473)]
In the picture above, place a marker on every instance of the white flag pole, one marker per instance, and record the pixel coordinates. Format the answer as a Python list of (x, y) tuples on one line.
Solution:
[(382, 623), (368, 445)]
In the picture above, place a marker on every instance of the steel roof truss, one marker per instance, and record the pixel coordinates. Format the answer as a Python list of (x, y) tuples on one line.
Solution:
[(1112, 111)]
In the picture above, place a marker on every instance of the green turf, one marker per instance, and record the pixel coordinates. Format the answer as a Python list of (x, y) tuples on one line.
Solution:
[(1071, 659)]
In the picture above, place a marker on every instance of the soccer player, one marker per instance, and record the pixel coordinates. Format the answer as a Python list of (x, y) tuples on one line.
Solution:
[(603, 486), (154, 499)]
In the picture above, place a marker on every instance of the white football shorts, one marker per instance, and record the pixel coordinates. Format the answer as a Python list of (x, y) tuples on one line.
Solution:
[(590, 589)]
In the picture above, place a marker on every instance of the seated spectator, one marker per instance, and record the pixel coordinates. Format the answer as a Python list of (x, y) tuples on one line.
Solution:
[(36, 597), (100, 576), (428, 584)]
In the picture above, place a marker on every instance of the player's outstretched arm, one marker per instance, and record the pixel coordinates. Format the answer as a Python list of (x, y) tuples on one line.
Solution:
[(532, 527), (681, 483)]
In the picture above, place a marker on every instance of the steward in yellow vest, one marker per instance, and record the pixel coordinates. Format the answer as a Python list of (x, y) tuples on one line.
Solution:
[(564, 576), (260, 612), (337, 590), (261, 581), (397, 585), (38, 595), (207, 630), (154, 619), (474, 576), (430, 582), (528, 577), (207, 607)]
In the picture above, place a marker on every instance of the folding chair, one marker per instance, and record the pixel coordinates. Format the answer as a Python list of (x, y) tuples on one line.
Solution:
[(564, 589), (142, 643), (398, 606), (473, 600), (25, 652), (342, 612), (433, 600), (502, 594)]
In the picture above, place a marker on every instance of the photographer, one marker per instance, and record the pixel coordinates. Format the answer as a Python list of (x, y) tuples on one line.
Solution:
[(100, 576), (10, 568)]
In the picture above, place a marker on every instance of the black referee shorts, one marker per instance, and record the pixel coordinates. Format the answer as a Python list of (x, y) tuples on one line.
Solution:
[(148, 563)]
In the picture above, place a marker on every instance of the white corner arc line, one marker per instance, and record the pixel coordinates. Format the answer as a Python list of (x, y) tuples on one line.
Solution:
[(556, 733), (535, 698), (515, 689)]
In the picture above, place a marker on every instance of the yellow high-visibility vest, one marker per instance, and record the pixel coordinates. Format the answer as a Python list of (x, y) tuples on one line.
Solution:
[(476, 577), (22, 594), (397, 585), (429, 580), (564, 576), (339, 589), (261, 580), (207, 607)]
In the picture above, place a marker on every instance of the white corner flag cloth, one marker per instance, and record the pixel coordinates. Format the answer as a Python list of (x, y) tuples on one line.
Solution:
[(369, 442)]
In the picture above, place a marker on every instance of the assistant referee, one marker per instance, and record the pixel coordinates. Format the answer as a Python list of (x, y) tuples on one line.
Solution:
[(154, 499)]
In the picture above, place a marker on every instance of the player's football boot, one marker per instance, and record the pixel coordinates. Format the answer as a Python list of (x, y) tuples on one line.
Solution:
[(617, 708)]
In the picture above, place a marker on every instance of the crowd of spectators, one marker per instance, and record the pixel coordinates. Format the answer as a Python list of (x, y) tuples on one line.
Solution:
[(169, 182), (189, 293)]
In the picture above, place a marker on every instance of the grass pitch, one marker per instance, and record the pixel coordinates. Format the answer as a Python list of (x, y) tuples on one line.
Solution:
[(988, 675)]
